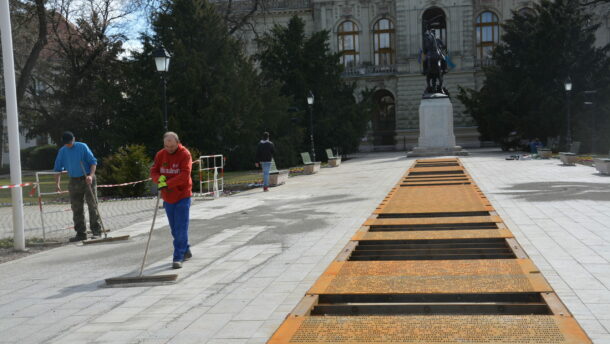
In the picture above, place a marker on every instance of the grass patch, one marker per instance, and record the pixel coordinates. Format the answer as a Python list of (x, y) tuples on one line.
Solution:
[(47, 184), (8, 243)]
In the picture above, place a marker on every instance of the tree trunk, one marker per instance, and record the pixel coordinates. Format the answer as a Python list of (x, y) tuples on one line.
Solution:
[(41, 42)]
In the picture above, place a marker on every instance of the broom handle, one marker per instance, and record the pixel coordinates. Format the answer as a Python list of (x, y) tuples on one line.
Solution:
[(94, 197), (150, 233)]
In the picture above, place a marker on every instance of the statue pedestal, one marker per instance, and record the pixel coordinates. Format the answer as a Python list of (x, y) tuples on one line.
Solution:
[(436, 128)]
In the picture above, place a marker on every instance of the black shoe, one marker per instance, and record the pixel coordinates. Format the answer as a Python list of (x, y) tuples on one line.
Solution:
[(177, 265), (78, 237), (188, 255)]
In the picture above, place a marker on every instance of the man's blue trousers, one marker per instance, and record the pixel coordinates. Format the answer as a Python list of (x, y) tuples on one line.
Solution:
[(178, 217)]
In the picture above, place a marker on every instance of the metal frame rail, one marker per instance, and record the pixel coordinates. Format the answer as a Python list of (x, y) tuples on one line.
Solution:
[(213, 169)]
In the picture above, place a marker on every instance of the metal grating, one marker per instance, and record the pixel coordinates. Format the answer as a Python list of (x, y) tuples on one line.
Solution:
[(509, 329), (434, 265)]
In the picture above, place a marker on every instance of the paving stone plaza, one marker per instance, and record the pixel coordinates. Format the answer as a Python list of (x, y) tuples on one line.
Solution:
[(256, 254)]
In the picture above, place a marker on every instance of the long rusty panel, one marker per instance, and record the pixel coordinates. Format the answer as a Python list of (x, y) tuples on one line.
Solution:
[(437, 169), (439, 329), (450, 198), (432, 221), (466, 284), (433, 268), (434, 235), (431, 277)]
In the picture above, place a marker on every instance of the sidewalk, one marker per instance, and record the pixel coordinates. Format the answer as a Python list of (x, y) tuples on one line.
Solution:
[(561, 217), (256, 254)]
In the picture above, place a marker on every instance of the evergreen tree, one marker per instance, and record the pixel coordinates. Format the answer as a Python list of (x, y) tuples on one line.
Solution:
[(302, 64), (524, 90), (216, 101)]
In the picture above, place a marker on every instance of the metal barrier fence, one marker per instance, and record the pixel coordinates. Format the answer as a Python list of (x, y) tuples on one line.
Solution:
[(211, 175), (39, 193)]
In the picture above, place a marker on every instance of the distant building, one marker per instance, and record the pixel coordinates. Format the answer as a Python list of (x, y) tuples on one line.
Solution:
[(381, 41)]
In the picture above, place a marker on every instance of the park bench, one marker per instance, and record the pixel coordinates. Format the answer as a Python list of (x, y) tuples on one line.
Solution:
[(333, 161), (277, 177), (569, 158), (602, 165), (310, 167), (545, 153)]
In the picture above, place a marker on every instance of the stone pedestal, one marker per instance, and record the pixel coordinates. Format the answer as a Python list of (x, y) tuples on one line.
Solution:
[(436, 129)]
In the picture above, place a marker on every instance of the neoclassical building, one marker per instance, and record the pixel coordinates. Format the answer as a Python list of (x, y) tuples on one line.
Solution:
[(381, 42)]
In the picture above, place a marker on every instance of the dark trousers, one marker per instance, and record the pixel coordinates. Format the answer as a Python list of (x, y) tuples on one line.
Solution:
[(79, 193)]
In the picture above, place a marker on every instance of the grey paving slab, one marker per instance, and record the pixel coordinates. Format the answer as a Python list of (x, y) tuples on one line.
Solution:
[(560, 215), (255, 255)]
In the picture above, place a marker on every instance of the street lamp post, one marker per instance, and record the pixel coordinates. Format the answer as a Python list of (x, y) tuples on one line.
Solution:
[(12, 125), (310, 100), (162, 62), (589, 102), (568, 87)]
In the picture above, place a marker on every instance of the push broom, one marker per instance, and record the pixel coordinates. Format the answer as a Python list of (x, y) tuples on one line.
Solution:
[(97, 212), (140, 278)]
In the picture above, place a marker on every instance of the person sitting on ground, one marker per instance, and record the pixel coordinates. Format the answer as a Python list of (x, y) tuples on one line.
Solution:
[(264, 155), (74, 157), (172, 173)]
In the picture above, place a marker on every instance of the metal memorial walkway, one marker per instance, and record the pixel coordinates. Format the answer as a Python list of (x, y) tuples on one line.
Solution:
[(433, 264)]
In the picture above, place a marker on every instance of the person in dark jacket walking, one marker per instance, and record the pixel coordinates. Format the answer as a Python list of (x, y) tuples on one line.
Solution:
[(264, 154)]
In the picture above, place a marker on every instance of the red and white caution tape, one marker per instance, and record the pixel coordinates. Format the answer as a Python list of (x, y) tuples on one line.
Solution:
[(123, 184), (15, 186)]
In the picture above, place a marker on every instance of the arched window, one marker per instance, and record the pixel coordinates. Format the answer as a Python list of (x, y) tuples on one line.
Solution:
[(435, 17), (383, 39), (488, 34), (348, 43)]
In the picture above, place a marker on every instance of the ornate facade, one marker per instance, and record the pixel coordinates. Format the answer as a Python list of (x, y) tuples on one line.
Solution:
[(381, 41)]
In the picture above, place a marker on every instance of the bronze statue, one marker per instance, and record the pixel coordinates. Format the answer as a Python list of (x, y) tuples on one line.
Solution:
[(435, 63)]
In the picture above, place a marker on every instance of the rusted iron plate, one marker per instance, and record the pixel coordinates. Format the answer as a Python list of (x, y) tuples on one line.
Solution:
[(472, 284), (433, 235), (436, 169), (431, 277), (437, 160), (465, 182), (454, 198), (412, 179), (439, 329), (431, 220), (479, 267)]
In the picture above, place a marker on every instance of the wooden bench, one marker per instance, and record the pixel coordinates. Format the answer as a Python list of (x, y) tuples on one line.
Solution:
[(602, 165), (277, 177), (310, 167), (545, 153), (333, 161), (567, 158)]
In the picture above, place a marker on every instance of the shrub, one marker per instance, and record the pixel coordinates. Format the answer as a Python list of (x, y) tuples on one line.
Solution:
[(25, 156), (42, 157), (195, 154), (131, 163)]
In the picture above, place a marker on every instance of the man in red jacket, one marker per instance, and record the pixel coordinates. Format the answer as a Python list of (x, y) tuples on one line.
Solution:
[(172, 173)]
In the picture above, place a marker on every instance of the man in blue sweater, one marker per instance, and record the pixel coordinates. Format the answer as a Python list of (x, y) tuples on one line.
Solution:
[(72, 157)]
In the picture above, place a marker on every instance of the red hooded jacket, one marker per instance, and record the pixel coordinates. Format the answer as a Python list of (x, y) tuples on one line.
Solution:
[(176, 168)]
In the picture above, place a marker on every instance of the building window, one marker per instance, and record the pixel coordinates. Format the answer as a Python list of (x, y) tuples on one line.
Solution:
[(488, 34), (435, 18), (383, 38), (348, 43)]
